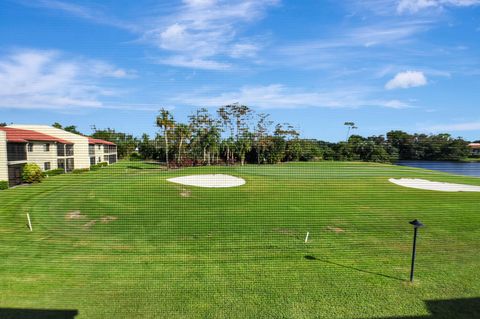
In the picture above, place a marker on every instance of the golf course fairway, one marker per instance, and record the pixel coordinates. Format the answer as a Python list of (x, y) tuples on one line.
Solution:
[(123, 242)]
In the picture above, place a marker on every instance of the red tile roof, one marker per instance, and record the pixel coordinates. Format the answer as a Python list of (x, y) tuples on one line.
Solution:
[(474, 145), (92, 140), (17, 135)]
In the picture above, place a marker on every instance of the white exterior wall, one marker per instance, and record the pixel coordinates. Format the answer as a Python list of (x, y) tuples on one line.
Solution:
[(3, 157), (99, 153), (80, 148), (39, 156), (109, 153)]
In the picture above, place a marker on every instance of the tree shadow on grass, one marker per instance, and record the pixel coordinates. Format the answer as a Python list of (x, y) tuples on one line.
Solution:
[(310, 257), (465, 308), (143, 167), (16, 313)]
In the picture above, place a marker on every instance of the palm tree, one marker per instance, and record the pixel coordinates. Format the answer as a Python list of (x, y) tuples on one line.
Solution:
[(182, 133), (165, 121), (351, 126)]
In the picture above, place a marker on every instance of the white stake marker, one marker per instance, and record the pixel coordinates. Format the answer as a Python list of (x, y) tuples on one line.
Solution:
[(306, 237), (29, 222)]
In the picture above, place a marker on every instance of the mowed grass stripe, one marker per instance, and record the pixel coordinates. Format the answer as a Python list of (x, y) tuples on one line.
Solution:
[(238, 252)]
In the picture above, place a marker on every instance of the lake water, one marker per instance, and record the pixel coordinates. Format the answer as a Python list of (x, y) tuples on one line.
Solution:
[(467, 169)]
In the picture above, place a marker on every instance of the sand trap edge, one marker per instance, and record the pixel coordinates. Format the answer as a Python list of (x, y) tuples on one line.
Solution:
[(209, 181), (434, 186)]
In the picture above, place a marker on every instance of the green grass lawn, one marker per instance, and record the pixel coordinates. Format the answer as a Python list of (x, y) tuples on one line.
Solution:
[(185, 252)]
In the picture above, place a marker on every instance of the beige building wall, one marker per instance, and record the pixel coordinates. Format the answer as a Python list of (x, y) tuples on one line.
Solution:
[(107, 153), (3, 157), (80, 148), (99, 153), (39, 156)]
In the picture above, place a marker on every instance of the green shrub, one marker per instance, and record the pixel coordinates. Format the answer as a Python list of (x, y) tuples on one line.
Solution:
[(80, 170), (3, 185), (55, 172), (32, 173), (98, 166), (135, 157)]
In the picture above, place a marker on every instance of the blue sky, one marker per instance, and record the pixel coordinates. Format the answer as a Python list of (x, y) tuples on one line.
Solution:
[(384, 64)]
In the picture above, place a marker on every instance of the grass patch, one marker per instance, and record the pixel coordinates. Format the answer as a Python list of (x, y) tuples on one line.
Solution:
[(157, 249)]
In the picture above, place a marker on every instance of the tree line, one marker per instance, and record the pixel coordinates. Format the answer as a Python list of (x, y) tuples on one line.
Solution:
[(235, 134)]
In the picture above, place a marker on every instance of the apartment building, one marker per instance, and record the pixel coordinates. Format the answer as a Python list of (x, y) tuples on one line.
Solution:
[(49, 148), (101, 151), (475, 148)]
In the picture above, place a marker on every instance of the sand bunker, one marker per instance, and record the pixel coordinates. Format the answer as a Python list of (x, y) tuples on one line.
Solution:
[(212, 180), (434, 186)]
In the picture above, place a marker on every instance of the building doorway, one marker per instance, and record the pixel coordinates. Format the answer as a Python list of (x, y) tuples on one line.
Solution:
[(15, 174)]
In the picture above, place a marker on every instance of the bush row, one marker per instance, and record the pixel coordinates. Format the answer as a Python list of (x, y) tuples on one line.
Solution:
[(135, 156), (98, 166), (54, 172), (80, 170), (32, 173), (3, 185)]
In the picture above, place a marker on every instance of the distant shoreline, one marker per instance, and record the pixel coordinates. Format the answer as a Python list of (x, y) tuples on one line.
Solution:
[(471, 169)]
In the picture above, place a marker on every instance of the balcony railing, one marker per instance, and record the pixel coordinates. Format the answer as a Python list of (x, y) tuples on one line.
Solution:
[(110, 148), (16, 152)]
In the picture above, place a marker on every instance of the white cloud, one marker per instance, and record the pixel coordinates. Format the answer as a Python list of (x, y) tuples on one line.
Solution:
[(396, 104), (277, 96), (194, 63), (46, 79), (414, 6), (377, 42), (201, 32), (408, 79), (381, 34), (241, 50), (200, 3), (94, 15), (456, 127), (387, 7), (366, 36), (103, 69)]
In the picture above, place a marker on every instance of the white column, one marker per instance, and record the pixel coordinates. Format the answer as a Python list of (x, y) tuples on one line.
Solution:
[(3, 157)]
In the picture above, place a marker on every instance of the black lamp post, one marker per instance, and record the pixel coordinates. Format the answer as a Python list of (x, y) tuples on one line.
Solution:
[(416, 225)]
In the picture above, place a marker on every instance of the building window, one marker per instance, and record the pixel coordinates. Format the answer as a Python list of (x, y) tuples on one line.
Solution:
[(99, 147), (46, 147), (16, 152), (110, 149), (46, 166), (91, 149), (61, 163), (70, 165), (112, 159), (99, 159), (69, 150), (30, 147), (60, 149), (92, 160)]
